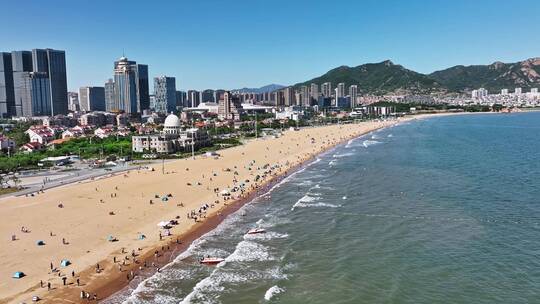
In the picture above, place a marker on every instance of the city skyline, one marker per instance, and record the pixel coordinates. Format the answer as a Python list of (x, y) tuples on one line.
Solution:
[(192, 48)]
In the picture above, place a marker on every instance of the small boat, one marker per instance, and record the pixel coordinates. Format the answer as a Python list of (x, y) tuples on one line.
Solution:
[(256, 231), (211, 261)]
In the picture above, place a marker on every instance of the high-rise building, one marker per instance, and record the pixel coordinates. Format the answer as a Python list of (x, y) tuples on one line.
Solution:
[(53, 63), (92, 98), (180, 98), (208, 96), (7, 90), (314, 92), (534, 90), (504, 92), (353, 94), (109, 95), (218, 95), (131, 93), (340, 91), (165, 94), (304, 96), (34, 94), (73, 102), (21, 64), (143, 89), (194, 98), (229, 107), (288, 93), (326, 89), (517, 91)]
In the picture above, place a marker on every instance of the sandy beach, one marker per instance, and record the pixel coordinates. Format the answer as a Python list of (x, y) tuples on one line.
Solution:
[(75, 221)]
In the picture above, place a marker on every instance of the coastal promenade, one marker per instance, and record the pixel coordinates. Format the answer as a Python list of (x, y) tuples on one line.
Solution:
[(107, 228)]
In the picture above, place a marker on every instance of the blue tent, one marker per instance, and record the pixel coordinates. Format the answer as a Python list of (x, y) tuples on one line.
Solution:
[(18, 275), (164, 199), (65, 263), (111, 238), (142, 236), (40, 243)]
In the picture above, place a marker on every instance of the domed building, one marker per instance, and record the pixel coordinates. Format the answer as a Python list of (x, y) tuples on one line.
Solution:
[(172, 125), (171, 139)]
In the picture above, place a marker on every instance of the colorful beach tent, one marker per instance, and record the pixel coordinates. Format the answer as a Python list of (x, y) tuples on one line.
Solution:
[(40, 243), (18, 275), (65, 263)]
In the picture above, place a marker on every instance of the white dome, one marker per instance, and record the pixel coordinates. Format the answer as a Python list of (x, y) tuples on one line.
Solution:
[(172, 121)]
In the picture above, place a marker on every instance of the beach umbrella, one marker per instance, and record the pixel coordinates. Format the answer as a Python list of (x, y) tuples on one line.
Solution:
[(111, 238), (225, 192), (164, 199), (40, 243), (163, 223), (18, 275)]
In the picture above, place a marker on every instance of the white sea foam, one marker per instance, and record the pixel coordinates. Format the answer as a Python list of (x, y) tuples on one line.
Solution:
[(367, 143), (247, 251), (332, 162), (272, 291), (305, 199), (342, 155), (390, 135), (269, 235), (304, 205)]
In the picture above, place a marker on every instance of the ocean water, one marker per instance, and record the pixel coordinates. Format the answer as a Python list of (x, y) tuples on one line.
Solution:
[(442, 210)]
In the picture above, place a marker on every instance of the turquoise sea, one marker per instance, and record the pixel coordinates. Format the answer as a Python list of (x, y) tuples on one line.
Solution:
[(440, 210)]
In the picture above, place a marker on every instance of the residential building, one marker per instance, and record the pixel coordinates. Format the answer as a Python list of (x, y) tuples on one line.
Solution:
[(340, 90), (165, 94), (7, 144), (517, 91), (326, 89), (504, 92), (109, 95), (73, 102), (194, 98), (229, 107), (314, 92), (353, 94), (288, 93), (92, 99)]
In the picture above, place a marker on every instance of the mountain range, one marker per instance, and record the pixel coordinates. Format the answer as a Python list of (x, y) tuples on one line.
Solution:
[(387, 77), (265, 89)]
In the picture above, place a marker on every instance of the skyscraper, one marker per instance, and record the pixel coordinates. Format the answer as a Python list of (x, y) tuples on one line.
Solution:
[(7, 90), (304, 96), (340, 92), (92, 98), (229, 107), (314, 92), (131, 93), (326, 89), (73, 101), (143, 90), (53, 63), (353, 94), (21, 63), (289, 96), (165, 94), (34, 93), (109, 95), (193, 98)]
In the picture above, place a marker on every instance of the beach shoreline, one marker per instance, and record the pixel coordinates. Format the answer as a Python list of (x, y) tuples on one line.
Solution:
[(110, 281)]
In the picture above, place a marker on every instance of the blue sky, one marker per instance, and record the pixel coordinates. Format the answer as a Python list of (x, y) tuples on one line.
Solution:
[(232, 44)]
